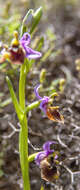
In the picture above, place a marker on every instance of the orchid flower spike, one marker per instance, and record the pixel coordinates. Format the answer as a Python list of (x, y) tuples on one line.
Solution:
[(51, 112), (18, 50)]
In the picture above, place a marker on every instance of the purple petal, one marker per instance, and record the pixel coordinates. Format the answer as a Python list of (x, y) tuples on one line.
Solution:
[(36, 91), (25, 39), (39, 157), (44, 103), (32, 54), (46, 147)]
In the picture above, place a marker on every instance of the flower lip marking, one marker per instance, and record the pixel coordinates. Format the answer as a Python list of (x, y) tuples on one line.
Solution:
[(49, 169), (54, 114)]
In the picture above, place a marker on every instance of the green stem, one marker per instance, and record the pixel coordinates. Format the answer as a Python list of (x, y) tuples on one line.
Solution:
[(32, 157), (32, 106), (22, 86), (42, 188), (23, 149), (23, 136)]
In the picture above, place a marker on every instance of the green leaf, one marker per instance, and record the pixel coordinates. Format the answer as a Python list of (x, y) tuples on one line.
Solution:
[(30, 63), (40, 44), (47, 54), (5, 102), (2, 66), (36, 18), (18, 109), (22, 82)]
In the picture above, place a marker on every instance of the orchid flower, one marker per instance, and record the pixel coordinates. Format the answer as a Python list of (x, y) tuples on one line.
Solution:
[(45, 153), (48, 162), (51, 112), (19, 50)]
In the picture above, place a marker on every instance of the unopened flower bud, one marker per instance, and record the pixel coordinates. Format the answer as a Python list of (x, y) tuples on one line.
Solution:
[(61, 84), (42, 75)]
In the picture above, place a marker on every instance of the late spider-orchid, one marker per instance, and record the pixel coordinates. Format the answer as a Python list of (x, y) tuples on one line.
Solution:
[(48, 162), (51, 112), (19, 50)]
